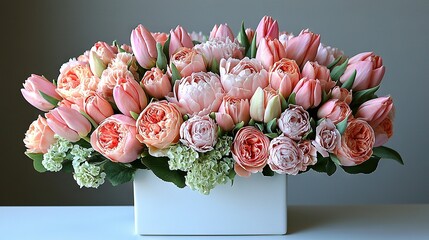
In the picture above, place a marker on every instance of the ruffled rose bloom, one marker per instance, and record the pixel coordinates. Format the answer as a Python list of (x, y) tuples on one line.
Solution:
[(158, 126), (199, 133), (335, 110), (241, 78), (39, 136), (309, 153), (32, 88), (285, 156), (115, 139), (97, 107), (217, 50), (283, 76), (110, 78), (232, 111), (341, 94), (160, 37), (294, 122), (327, 54), (269, 52), (375, 110), (308, 93), (221, 32), (327, 137), (68, 123), (125, 60), (384, 131), (250, 151), (156, 83), (356, 143), (198, 94), (313, 70), (188, 61), (303, 47)]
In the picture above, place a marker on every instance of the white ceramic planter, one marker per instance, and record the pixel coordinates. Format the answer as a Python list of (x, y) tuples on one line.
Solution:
[(252, 206)]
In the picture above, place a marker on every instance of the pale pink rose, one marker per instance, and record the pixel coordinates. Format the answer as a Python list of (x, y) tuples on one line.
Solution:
[(335, 110), (188, 61), (369, 71), (156, 83), (198, 94), (384, 131), (313, 70), (198, 36), (285, 156), (303, 47), (327, 54), (215, 50), (115, 139), (221, 32), (241, 78), (341, 94), (250, 151), (283, 76), (327, 138), (294, 122), (144, 47), (199, 133), (39, 136), (267, 28), (250, 33), (309, 154), (356, 143), (265, 105), (375, 110), (68, 123), (129, 96), (32, 88), (269, 52), (232, 111), (158, 126), (179, 38), (104, 51), (160, 37), (308, 93), (109, 78), (97, 108)]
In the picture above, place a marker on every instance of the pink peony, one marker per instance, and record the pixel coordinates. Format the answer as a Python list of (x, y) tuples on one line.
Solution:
[(216, 50)]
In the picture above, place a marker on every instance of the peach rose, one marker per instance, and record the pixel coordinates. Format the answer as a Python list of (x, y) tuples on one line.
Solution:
[(250, 151), (356, 143), (188, 61), (156, 83), (335, 110), (283, 76), (39, 137), (285, 156)]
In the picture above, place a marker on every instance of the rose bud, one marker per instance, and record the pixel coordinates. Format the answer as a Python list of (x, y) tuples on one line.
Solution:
[(68, 123), (199, 133), (303, 47), (156, 83), (188, 61), (375, 110), (285, 156), (267, 28), (326, 55), (222, 32), (294, 122), (144, 47), (129, 96), (232, 111), (384, 131), (160, 37), (39, 136), (283, 76), (313, 70), (265, 105), (341, 94), (269, 52), (369, 71), (308, 93), (327, 137), (335, 110), (31, 92), (179, 38), (97, 107)]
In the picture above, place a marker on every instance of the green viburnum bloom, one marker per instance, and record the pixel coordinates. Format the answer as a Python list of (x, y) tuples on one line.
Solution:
[(57, 153), (181, 157), (89, 175), (80, 154)]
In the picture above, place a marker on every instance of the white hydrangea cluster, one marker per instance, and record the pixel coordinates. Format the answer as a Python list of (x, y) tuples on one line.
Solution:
[(80, 154), (89, 175), (57, 153), (181, 157)]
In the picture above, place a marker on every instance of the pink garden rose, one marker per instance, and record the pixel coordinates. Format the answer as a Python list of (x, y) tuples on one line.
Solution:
[(250, 151), (335, 110), (129, 96), (269, 52), (241, 78), (179, 38), (326, 55), (313, 70), (68, 123), (265, 105), (144, 47), (356, 143), (285, 156), (188, 61), (308, 93), (199, 133), (303, 47), (156, 83), (39, 136), (283, 76), (309, 153), (115, 139), (294, 122), (216, 50), (221, 32), (375, 110), (32, 88), (97, 108), (158, 126), (267, 28), (232, 111), (341, 94), (327, 137)]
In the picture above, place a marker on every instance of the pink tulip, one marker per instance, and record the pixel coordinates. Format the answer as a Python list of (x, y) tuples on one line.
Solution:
[(327, 54), (232, 111), (129, 96), (369, 71), (32, 88), (308, 93), (156, 83), (334, 110), (341, 94), (269, 52), (384, 131), (188, 61), (179, 38), (313, 70), (250, 33), (303, 47), (144, 47), (160, 37), (97, 107), (283, 76), (68, 123), (267, 28), (375, 110), (222, 32), (265, 105), (104, 51)]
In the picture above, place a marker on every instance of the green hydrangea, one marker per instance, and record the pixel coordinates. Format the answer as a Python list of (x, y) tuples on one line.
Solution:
[(221, 149), (89, 175), (181, 157), (80, 154), (57, 153)]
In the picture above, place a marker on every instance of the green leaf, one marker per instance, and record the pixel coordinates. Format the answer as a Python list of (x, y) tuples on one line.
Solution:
[(332, 64), (291, 99), (37, 161), (215, 66), (330, 168), (366, 167), (118, 173), (231, 175), (175, 75), (271, 135), (242, 38), (341, 126), (251, 53), (325, 97), (338, 71), (283, 102), (272, 125), (50, 99), (387, 153), (320, 166), (166, 47), (360, 97), (335, 159), (67, 166), (134, 115), (159, 166), (349, 83), (267, 171), (252, 122), (161, 60), (260, 126), (238, 126)]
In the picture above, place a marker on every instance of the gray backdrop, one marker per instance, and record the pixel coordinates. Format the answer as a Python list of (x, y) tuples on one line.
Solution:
[(38, 36)]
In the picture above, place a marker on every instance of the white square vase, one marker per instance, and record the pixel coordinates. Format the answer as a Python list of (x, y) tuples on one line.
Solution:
[(252, 206)]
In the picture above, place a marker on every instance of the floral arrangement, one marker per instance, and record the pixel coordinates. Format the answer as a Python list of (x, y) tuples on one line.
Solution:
[(197, 110)]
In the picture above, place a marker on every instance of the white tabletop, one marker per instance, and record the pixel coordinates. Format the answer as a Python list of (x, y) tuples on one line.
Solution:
[(304, 222)]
